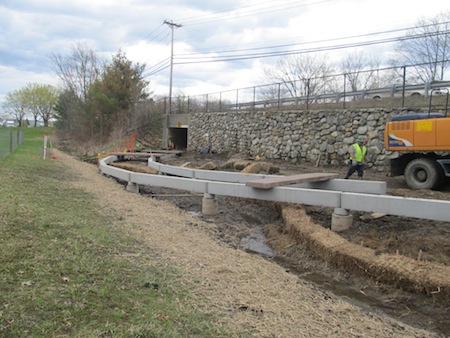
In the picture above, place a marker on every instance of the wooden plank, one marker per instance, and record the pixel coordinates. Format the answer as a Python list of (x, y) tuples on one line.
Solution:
[(171, 151), (136, 154), (271, 182)]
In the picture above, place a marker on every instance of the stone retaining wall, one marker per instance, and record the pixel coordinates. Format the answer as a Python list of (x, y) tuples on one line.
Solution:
[(294, 136)]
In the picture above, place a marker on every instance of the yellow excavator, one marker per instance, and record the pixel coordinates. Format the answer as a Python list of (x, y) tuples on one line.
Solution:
[(422, 141)]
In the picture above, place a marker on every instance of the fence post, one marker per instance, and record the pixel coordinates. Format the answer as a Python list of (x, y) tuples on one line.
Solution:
[(403, 86), (307, 94), (279, 95), (345, 85), (254, 98), (10, 140), (45, 145), (18, 143)]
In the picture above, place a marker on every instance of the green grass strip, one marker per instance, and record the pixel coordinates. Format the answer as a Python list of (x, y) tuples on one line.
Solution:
[(67, 269)]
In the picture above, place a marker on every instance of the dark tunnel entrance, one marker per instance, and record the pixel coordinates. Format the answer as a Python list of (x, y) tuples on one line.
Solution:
[(178, 138)]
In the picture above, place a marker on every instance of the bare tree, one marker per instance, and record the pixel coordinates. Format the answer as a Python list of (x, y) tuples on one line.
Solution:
[(77, 70), (360, 71), (300, 75), (270, 93), (180, 102), (427, 46)]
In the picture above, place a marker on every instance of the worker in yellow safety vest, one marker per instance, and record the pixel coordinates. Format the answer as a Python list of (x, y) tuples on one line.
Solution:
[(357, 157)]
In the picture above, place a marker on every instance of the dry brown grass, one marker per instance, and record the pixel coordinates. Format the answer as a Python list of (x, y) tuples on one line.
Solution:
[(254, 295)]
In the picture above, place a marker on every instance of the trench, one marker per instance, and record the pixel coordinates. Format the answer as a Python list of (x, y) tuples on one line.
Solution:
[(241, 224), (414, 310)]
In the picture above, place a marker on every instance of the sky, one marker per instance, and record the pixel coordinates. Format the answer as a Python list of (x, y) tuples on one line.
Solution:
[(214, 41)]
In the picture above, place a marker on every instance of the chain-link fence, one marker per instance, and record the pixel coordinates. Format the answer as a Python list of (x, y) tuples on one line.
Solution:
[(393, 87), (10, 139)]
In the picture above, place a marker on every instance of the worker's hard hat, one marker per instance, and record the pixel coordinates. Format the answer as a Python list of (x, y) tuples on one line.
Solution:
[(359, 139)]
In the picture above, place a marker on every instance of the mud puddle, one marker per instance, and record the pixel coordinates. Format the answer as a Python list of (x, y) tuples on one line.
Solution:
[(255, 243)]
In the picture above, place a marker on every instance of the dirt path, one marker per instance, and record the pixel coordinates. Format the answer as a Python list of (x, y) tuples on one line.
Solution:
[(251, 291)]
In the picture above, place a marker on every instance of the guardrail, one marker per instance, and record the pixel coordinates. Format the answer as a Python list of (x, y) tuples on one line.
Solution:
[(366, 196)]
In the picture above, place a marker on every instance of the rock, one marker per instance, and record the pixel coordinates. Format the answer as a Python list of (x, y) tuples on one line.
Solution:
[(209, 166), (259, 167)]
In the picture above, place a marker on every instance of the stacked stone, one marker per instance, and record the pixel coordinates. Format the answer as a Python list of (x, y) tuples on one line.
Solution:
[(294, 136)]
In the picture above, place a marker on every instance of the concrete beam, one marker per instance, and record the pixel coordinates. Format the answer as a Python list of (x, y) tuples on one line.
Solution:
[(276, 181), (299, 194), (210, 175), (225, 176), (172, 182), (278, 194), (400, 206), (119, 173), (372, 187), (337, 184)]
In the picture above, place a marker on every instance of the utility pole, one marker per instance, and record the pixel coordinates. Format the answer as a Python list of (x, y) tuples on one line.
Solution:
[(169, 106), (172, 27)]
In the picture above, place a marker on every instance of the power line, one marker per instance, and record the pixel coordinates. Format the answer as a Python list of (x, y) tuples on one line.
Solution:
[(218, 16), (164, 64), (239, 54), (301, 51), (245, 11), (297, 44), (260, 8), (311, 42), (154, 35), (240, 57)]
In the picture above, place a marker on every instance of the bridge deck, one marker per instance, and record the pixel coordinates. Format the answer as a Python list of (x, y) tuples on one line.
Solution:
[(135, 154), (272, 182)]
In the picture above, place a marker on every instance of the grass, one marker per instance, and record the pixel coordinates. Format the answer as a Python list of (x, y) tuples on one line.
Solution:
[(67, 269)]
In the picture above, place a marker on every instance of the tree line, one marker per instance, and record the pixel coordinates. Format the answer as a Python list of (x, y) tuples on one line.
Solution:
[(100, 101), (425, 48), (36, 99)]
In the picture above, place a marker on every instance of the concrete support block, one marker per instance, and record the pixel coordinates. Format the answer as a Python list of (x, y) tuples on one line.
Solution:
[(133, 187), (210, 206), (341, 220), (341, 211)]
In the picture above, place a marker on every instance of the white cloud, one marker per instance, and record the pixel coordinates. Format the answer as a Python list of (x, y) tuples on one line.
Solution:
[(32, 30)]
